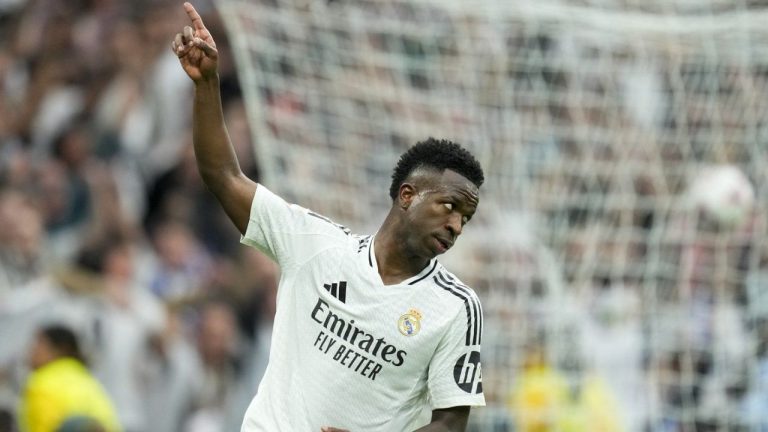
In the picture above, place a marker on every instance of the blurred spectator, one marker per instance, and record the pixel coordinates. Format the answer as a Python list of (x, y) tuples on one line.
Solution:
[(205, 385), (60, 385), (216, 385), (7, 421), (546, 400), (81, 424), (21, 241), (611, 340), (124, 319), (183, 265), (173, 372), (179, 194), (540, 396)]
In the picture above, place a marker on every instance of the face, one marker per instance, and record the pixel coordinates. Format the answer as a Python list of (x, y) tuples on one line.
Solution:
[(437, 206), (217, 334), (41, 352)]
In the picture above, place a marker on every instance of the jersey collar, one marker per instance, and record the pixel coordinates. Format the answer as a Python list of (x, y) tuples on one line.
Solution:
[(423, 274)]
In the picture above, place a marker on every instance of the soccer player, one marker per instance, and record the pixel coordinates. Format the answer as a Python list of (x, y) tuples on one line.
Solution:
[(371, 333)]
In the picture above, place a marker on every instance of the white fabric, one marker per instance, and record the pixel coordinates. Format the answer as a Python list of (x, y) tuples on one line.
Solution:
[(122, 335), (347, 364)]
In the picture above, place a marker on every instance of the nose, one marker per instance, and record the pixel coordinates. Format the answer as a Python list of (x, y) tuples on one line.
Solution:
[(454, 224)]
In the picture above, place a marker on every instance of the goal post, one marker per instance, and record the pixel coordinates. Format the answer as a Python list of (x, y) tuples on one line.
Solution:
[(608, 278)]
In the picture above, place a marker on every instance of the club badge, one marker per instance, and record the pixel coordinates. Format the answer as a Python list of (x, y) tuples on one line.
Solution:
[(410, 323)]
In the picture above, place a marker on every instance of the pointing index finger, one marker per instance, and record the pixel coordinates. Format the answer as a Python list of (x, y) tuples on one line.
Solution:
[(197, 22)]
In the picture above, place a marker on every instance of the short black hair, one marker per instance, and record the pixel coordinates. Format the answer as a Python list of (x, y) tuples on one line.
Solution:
[(437, 154), (63, 340)]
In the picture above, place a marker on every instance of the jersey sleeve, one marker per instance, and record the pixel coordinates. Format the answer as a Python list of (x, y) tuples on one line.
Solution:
[(455, 373), (288, 233)]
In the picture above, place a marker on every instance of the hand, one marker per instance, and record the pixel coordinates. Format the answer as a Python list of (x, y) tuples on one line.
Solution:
[(332, 429), (196, 49)]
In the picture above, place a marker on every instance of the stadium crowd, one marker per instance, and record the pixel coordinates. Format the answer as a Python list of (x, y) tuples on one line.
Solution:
[(613, 321), (105, 225)]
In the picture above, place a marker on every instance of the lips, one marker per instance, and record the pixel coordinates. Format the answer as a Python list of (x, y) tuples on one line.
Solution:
[(444, 243)]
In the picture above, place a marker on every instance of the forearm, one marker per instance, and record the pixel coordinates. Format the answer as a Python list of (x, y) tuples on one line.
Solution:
[(439, 427), (447, 420), (443, 420), (216, 159)]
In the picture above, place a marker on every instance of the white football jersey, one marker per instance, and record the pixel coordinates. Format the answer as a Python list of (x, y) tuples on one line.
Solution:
[(348, 351)]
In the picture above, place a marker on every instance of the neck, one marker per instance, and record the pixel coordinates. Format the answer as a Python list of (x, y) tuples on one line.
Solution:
[(395, 262)]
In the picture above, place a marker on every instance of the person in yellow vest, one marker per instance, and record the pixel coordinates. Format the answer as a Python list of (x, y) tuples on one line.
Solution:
[(592, 407), (545, 400), (60, 386), (540, 395)]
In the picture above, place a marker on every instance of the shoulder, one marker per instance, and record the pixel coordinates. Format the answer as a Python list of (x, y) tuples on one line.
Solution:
[(452, 288), (270, 206), (361, 242), (55, 374), (328, 224), (455, 294)]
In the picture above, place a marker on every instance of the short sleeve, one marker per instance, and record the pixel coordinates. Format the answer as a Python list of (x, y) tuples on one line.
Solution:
[(455, 372), (288, 233)]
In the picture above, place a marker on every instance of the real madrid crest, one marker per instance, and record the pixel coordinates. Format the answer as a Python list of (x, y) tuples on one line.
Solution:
[(410, 323)]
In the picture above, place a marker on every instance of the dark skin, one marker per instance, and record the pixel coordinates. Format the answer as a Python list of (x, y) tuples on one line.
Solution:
[(443, 420), (425, 219)]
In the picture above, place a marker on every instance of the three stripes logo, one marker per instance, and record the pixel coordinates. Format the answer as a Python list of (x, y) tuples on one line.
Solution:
[(363, 243), (338, 290)]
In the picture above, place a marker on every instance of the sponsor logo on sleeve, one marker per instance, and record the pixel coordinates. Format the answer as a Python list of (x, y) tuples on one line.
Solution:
[(468, 374)]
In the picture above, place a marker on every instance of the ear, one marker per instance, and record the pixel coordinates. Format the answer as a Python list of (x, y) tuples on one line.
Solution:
[(405, 196)]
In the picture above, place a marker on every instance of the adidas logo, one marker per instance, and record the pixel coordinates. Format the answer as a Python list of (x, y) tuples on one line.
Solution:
[(338, 290)]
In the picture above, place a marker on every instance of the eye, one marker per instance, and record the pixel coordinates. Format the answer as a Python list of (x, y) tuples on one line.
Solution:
[(449, 206)]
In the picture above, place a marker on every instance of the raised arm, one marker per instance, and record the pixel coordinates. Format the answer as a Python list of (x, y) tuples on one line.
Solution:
[(216, 159)]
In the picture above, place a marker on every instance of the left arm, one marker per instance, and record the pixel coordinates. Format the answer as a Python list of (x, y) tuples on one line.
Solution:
[(452, 419)]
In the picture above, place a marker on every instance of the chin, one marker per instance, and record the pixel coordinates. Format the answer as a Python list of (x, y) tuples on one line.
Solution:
[(425, 253), (435, 253)]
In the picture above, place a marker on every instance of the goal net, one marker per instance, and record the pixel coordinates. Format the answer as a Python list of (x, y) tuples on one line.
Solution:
[(619, 247)]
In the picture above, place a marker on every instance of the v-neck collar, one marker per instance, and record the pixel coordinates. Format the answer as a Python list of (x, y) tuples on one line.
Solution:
[(423, 274)]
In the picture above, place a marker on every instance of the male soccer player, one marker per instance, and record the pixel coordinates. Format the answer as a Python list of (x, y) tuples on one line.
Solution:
[(371, 332)]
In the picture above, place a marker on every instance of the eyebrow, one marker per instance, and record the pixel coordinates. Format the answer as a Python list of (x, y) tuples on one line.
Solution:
[(465, 196)]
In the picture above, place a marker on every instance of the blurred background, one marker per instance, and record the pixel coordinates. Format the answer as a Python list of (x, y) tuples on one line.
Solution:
[(619, 248)]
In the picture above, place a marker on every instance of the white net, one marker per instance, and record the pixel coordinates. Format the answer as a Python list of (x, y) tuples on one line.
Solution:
[(621, 292)]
